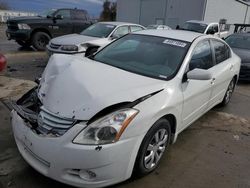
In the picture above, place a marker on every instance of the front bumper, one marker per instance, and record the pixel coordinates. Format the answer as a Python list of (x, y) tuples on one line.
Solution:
[(61, 160), (23, 35), (245, 72)]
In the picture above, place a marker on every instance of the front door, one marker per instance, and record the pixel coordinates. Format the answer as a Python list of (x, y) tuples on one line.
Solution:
[(197, 93)]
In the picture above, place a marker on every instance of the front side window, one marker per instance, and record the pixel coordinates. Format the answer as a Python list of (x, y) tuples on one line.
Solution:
[(121, 31), (99, 30), (202, 57), (135, 28), (151, 56), (222, 52), (64, 13)]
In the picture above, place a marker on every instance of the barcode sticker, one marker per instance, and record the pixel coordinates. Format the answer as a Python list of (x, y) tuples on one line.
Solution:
[(175, 43)]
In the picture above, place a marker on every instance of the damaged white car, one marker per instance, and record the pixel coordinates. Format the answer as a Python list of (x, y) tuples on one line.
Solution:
[(93, 121)]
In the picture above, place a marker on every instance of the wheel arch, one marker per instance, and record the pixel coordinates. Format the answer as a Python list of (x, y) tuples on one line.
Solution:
[(40, 30)]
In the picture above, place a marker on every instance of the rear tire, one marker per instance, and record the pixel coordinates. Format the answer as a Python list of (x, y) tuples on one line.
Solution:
[(152, 148), (229, 93), (40, 40), (24, 44)]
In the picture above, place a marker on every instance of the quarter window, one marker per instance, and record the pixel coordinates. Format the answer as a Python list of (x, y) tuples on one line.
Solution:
[(202, 57), (222, 52)]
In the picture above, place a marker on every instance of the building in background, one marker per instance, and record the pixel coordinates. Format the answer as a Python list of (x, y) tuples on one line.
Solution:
[(6, 14), (176, 12)]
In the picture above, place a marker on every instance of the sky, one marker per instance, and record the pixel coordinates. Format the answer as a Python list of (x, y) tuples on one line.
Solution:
[(94, 7)]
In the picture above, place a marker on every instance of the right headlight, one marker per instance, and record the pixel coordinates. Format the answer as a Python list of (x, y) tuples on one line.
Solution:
[(72, 48), (107, 129)]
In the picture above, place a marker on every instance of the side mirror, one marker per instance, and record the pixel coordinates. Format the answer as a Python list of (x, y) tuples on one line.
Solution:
[(114, 36), (58, 17), (199, 74)]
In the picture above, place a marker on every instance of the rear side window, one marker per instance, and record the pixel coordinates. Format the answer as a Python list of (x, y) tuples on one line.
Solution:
[(135, 28), (79, 15), (64, 13), (222, 52), (202, 57)]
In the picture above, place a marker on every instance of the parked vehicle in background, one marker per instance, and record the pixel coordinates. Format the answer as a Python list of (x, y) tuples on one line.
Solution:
[(38, 31), (158, 27), (241, 28), (95, 36), (3, 62), (117, 111), (205, 28), (240, 43)]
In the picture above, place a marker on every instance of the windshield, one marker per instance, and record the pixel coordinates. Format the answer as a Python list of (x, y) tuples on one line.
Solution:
[(196, 27), (150, 56), (47, 13), (242, 42), (100, 30)]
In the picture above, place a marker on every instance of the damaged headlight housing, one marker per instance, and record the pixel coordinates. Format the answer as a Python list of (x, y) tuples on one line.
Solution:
[(69, 48), (107, 129)]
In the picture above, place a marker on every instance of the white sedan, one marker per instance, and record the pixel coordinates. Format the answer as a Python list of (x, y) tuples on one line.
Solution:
[(93, 121), (97, 35)]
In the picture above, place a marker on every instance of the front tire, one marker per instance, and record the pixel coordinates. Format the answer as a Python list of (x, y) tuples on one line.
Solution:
[(229, 93), (40, 40), (152, 148)]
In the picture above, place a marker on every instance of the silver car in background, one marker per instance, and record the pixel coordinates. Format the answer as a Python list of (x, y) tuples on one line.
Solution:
[(97, 35)]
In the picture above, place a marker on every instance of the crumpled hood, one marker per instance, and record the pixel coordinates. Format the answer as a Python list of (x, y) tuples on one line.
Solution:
[(72, 39), (77, 87)]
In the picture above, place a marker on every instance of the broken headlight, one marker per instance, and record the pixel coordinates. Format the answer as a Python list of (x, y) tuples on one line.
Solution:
[(107, 129)]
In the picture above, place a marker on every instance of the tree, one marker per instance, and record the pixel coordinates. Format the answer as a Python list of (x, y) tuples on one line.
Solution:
[(109, 11), (4, 6)]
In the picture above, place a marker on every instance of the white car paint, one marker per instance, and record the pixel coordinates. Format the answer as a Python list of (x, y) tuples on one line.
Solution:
[(78, 88), (83, 41)]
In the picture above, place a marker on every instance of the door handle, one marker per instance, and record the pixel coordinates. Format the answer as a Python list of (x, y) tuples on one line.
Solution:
[(213, 80)]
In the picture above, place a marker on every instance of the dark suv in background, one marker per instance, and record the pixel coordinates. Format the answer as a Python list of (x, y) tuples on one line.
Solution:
[(38, 31)]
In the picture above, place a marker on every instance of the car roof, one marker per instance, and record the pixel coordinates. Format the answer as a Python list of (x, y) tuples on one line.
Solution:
[(188, 36), (119, 23)]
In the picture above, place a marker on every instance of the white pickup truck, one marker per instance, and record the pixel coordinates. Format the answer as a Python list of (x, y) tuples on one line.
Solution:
[(205, 27)]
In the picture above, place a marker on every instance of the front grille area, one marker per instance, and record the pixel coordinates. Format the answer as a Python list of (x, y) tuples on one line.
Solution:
[(50, 123), (12, 25), (55, 46)]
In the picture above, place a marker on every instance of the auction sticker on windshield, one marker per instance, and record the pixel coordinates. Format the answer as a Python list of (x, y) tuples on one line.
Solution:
[(175, 43)]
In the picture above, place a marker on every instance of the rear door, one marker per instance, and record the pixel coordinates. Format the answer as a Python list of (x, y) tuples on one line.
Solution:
[(222, 71), (80, 20), (197, 93)]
